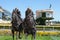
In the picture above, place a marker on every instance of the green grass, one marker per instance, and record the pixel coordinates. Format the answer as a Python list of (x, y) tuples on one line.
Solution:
[(29, 37)]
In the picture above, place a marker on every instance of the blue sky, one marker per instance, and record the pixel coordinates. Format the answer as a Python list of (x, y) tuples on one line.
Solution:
[(22, 5)]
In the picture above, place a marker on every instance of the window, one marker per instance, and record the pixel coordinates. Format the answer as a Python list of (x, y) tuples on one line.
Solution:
[(5, 16), (0, 15), (48, 14)]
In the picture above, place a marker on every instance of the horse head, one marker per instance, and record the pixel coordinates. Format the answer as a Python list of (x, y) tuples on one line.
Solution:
[(29, 17)]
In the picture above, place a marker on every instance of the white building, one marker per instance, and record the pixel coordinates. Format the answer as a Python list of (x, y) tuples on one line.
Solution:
[(47, 14), (5, 18)]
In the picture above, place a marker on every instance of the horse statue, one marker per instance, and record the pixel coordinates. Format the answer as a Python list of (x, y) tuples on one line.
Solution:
[(16, 23), (29, 24)]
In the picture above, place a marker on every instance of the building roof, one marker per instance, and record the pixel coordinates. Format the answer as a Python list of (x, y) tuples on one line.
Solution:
[(46, 10), (1, 10)]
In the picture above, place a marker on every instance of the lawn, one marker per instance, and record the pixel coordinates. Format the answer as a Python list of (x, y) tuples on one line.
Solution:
[(37, 37)]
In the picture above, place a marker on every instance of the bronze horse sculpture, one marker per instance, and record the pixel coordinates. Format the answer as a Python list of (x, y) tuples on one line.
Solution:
[(16, 23), (29, 24)]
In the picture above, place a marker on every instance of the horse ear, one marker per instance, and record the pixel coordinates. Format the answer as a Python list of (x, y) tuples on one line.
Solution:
[(19, 13), (26, 13)]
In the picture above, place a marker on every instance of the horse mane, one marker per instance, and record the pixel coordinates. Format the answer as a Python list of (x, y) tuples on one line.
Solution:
[(28, 11), (16, 16), (27, 19)]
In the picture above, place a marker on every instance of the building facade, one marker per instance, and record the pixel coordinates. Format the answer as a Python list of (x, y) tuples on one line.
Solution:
[(44, 17)]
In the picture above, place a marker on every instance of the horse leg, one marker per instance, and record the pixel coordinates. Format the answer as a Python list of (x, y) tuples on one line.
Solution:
[(26, 35), (33, 35), (13, 34), (16, 36), (19, 35)]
